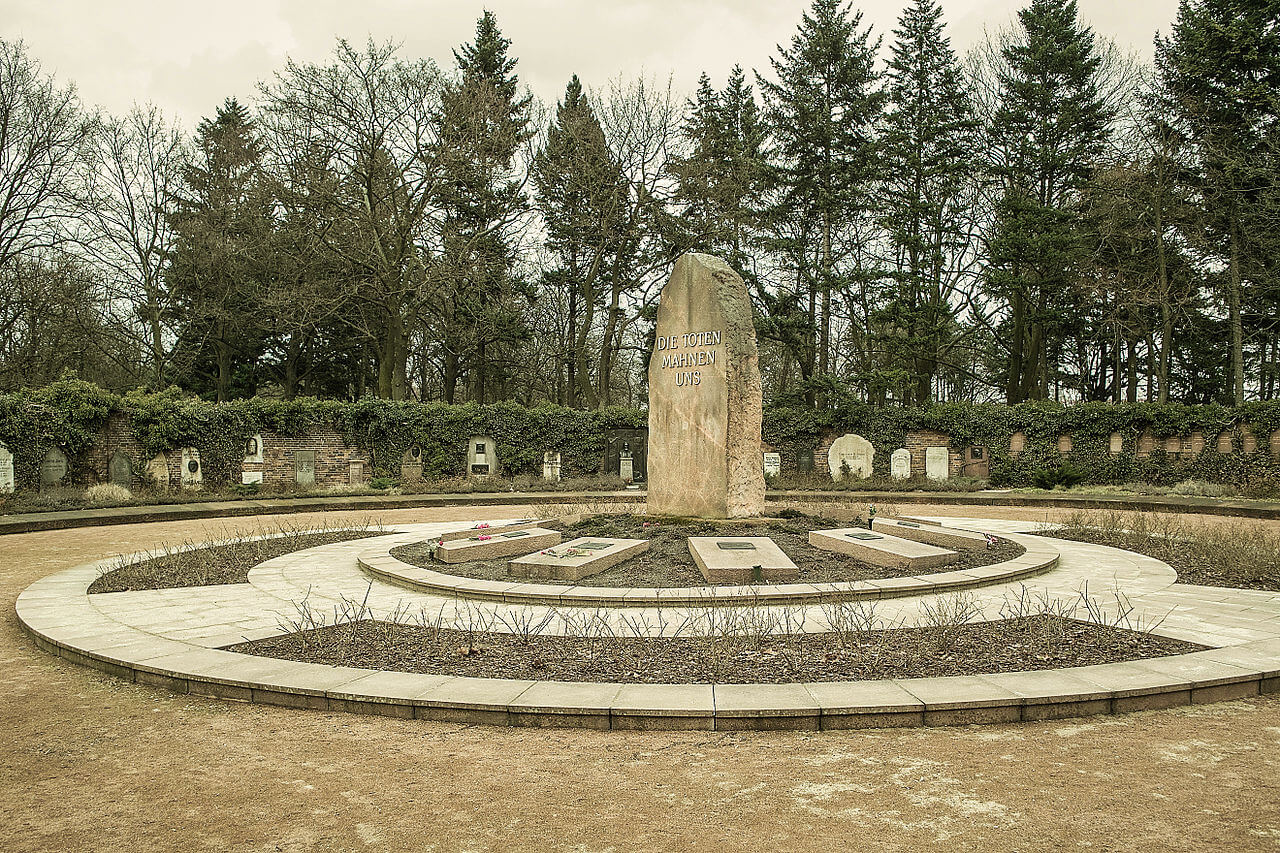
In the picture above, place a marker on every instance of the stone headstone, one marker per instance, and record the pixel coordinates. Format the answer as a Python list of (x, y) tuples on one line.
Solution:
[(54, 468), (1226, 442), (7, 481), (356, 474), (626, 465), (158, 471), (851, 452), (772, 464), (1248, 440), (977, 462), (900, 464), (411, 465), (192, 471), (937, 463), (251, 478), (551, 466), (1065, 443), (1017, 443), (482, 456), (253, 449), (1117, 443), (304, 467), (120, 470), (804, 460), (705, 396)]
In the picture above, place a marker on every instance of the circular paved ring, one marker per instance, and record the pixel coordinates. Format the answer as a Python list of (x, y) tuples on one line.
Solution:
[(171, 638)]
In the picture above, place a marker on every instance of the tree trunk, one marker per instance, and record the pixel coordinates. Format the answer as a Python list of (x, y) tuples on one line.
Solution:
[(1237, 324)]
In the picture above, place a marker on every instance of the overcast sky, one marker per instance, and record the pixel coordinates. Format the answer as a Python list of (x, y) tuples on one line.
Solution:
[(186, 57)]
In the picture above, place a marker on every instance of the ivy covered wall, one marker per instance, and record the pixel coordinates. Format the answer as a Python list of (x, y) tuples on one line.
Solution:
[(73, 415)]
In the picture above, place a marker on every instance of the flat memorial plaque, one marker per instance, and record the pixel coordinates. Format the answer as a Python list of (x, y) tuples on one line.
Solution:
[(741, 560), (882, 550)]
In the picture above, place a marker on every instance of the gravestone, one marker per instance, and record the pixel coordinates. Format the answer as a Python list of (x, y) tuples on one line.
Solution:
[(158, 471), (6, 471), (304, 467), (253, 450), (804, 460), (937, 463), (192, 471), (120, 470), (900, 464), (1065, 443), (411, 465), (577, 559), (772, 464), (482, 456), (551, 466), (626, 465), (853, 452), (636, 440), (1017, 443), (1117, 443), (251, 478), (741, 560), (54, 468), (355, 473), (705, 396), (976, 462)]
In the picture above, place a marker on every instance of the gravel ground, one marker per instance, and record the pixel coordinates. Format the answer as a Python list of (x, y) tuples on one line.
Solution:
[(1012, 645), (668, 563), (94, 764)]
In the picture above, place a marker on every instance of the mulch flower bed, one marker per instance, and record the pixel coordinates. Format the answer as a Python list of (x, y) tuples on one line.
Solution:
[(668, 563), (1010, 645), (215, 564)]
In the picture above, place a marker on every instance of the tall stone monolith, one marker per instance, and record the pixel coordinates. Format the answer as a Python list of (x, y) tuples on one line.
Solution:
[(704, 396)]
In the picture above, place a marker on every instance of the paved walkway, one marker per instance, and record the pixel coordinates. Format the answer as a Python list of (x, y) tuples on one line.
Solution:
[(171, 637)]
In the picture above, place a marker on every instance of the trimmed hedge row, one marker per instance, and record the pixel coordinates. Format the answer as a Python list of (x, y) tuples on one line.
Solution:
[(71, 414)]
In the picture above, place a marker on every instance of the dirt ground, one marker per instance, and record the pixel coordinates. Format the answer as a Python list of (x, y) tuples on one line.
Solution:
[(95, 763)]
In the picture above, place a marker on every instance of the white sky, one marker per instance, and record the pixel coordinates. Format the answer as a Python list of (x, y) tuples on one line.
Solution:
[(186, 57)]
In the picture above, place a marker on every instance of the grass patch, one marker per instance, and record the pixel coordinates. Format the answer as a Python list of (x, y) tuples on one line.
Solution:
[(1239, 555)]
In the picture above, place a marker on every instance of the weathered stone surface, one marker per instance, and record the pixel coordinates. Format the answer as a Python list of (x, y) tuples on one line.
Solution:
[(937, 463), (851, 451), (900, 464), (411, 465), (6, 470), (741, 559), (578, 558), (772, 464), (356, 474), (304, 467), (250, 478), (489, 529), (705, 396), (881, 550), (192, 471), (482, 456), (495, 546), (551, 466), (120, 470), (931, 534), (158, 471), (54, 468), (253, 449)]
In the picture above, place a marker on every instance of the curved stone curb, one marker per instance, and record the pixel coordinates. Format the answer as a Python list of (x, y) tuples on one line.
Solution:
[(1040, 557), (63, 621)]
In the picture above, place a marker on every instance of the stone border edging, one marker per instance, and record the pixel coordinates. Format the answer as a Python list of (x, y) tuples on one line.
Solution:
[(63, 621), (63, 519), (1040, 557)]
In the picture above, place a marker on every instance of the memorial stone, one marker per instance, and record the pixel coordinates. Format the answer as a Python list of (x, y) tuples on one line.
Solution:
[(355, 473), (850, 456), (411, 465), (772, 464), (705, 401), (6, 470), (937, 463), (54, 468), (253, 449), (304, 467), (900, 464), (551, 466), (251, 478), (192, 472), (120, 470), (482, 456), (158, 471), (626, 465)]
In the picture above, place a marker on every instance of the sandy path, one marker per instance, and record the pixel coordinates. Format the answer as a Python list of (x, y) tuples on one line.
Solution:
[(94, 763)]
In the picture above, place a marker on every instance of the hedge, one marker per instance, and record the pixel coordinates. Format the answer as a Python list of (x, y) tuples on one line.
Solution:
[(72, 414)]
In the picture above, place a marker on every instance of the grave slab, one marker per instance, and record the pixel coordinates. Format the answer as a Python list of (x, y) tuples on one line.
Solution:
[(880, 549), (495, 546), (577, 558), (494, 528), (930, 534), (741, 560)]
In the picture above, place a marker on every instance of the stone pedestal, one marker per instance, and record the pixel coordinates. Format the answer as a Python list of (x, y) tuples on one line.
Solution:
[(705, 396)]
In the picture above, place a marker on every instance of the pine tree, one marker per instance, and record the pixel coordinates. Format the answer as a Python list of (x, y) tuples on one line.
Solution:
[(221, 260), (483, 122), (1220, 70), (582, 196), (929, 142), (1049, 129), (821, 113)]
